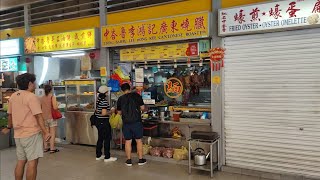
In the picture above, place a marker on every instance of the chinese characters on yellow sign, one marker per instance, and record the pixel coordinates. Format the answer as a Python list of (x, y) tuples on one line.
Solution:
[(82, 39), (191, 26), (159, 52), (173, 88)]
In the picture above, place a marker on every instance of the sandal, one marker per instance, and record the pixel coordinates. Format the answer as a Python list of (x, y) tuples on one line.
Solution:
[(54, 151), (46, 150)]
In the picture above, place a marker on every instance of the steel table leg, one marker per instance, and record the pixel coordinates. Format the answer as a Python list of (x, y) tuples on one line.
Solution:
[(211, 160), (189, 157), (219, 161)]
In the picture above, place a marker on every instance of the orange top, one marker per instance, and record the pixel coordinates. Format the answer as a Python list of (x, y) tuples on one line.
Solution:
[(46, 104), (23, 106)]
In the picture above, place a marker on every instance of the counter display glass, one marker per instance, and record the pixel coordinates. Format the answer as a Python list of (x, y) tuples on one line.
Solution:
[(80, 95), (181, 86), (60, 93)]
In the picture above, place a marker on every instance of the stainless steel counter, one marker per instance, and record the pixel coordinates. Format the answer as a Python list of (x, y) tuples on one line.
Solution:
[(78, 129)]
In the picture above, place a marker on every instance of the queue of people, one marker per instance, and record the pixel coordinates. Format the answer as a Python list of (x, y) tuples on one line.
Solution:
[(129, 106), (34, 127)]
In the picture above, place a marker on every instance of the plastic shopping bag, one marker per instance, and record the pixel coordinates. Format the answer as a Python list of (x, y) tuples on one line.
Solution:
[(180, 154), (115, 121)]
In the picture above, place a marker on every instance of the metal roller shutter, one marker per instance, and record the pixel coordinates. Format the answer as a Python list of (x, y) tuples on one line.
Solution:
[(272, 102)]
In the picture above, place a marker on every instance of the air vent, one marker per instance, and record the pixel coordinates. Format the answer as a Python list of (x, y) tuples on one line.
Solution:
[(12, 18), (58, 10)]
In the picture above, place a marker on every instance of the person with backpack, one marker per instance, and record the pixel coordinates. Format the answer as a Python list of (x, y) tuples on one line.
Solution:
[(130, 106), (102, 115)]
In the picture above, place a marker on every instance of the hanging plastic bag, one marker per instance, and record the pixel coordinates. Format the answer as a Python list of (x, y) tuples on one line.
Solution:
[(115, 121), (114, 84)]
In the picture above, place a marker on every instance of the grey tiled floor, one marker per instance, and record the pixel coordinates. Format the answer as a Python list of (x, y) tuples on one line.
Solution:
[(79, 164)]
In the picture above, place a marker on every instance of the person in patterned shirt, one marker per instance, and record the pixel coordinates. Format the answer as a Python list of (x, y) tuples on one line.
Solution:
[(104, 129)]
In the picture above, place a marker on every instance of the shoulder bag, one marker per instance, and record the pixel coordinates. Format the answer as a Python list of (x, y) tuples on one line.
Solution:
[(56, 114)]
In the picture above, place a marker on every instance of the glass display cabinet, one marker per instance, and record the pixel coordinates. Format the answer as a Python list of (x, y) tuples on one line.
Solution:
[(60, 93), (80, 95), (80, 105)]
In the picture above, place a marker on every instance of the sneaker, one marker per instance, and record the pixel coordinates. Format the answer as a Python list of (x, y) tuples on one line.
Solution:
[(100, 158), (111, 159), (129, 162), (142, 162)]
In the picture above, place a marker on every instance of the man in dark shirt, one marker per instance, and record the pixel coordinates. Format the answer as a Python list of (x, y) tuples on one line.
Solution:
[(130, 106)]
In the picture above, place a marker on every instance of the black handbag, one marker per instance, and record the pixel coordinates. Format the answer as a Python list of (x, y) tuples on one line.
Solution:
[(93, 120)]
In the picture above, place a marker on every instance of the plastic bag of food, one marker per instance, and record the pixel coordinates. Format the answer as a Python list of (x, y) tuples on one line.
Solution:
[(180, 154), (146, 149), (156, 151), (168, 152), (115, 121)]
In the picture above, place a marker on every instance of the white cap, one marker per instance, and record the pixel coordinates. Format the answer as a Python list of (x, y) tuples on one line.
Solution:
[(103, 89)]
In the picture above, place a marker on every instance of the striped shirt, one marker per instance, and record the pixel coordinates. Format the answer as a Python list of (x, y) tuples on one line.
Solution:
[(102, 104)]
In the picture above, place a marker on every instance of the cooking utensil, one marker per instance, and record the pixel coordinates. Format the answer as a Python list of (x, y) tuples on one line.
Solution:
[(200, 158)]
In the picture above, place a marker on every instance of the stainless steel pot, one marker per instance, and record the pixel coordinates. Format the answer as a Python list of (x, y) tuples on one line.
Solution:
[(200, 158)]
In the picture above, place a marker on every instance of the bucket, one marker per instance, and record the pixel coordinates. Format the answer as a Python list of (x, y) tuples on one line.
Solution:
[(176, 116)]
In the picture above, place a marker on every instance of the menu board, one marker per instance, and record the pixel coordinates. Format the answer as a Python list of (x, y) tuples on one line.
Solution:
[(9, 64), (170, 51)]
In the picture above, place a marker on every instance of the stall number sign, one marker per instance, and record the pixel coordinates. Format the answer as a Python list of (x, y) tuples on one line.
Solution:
[(82, 39), (189, 26), (173, 88), (270, 16)]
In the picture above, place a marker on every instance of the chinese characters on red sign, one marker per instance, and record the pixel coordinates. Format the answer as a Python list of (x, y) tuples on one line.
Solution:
[(173, 88)]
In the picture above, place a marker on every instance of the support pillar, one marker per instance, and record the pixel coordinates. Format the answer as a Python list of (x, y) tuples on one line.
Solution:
[(217, 101)]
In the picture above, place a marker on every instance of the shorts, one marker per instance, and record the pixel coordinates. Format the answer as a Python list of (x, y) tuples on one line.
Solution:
[(29, 148), (51, 123), (133, 131)]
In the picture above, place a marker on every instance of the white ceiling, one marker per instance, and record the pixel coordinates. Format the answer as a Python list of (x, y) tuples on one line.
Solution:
[(5, 4)]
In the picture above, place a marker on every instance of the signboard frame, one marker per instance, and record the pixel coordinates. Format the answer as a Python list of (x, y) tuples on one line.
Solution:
[(208, 33), (95, 46), (261, 5)]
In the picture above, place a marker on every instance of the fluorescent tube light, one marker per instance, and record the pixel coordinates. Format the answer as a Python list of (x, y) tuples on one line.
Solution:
[(68, 55)]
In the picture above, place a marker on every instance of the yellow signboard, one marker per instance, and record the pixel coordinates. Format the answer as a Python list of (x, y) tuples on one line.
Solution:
[(190, 26), (159, 52), (82, 39), (103, 71)]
